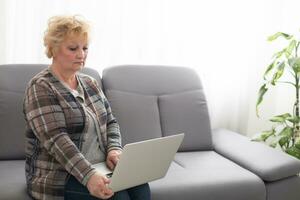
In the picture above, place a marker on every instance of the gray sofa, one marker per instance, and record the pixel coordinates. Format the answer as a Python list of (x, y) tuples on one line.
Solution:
[(155, 101)]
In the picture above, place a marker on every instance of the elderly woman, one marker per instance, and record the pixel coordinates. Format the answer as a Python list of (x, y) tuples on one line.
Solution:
[(70, 125)]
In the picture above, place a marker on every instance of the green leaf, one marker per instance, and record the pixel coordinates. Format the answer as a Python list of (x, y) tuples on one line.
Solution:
[(294, 151), (257, 139), (278, 34), (297, 143), (279, 54), (290, 48), (285, 135), (295, 64), (291, 61), (280, 118), (274, 144), (286, 132), (264, 136), (270, 67), (294, 119), (263, 89), (278, 73), (284, 140)]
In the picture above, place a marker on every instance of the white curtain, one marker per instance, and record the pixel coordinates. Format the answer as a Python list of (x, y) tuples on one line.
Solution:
[(224, 41)]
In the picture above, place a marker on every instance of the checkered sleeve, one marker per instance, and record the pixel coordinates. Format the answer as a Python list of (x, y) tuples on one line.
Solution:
[(46, 118), (113, 129), (114, 139)]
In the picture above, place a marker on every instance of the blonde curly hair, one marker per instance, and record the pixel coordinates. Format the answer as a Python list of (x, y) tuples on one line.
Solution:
[(60, 28)]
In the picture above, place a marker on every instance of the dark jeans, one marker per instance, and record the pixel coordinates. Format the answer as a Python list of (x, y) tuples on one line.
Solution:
[(76, 191)]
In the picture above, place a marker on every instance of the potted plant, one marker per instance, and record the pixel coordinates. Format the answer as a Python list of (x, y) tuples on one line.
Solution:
[(285, 132)]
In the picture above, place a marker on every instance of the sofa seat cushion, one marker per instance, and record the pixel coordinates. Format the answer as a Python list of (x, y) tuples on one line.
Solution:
[(287, 188), (207, 175), (12, 176)]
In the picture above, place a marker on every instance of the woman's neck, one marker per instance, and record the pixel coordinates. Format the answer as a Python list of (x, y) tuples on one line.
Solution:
[(66, 76)]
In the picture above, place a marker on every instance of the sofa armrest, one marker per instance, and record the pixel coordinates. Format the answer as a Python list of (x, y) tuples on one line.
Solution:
[(267, 163)]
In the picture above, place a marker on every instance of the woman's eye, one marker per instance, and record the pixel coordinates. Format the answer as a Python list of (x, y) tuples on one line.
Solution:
[(73, 49), (85, 48)]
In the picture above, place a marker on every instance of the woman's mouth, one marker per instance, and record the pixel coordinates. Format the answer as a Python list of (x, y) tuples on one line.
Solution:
[(80, 62)]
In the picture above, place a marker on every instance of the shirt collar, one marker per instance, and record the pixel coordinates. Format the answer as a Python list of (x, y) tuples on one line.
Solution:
[(77, 93)]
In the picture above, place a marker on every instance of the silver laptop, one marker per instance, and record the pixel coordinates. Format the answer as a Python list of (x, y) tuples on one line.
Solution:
[(142, 162)]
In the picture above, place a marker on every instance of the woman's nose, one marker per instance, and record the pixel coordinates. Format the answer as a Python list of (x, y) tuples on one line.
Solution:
[(80, 53)]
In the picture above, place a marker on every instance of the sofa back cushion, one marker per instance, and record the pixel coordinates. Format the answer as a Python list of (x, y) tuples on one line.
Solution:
[(13, 81), (155, 101)]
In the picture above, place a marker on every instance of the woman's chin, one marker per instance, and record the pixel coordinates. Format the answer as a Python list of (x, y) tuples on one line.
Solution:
[(78, 66)]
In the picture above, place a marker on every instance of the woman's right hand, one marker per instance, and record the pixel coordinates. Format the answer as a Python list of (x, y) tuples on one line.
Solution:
[(97, 186)]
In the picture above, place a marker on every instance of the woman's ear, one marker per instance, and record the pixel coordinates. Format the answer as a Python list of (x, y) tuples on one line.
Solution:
[(53, 51)]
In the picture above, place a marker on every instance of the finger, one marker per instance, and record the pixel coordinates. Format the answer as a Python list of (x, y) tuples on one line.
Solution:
[(106, 181), (115, 160), (106, 191), (109, 194), (110, 164), (101, 194), (106, 196)]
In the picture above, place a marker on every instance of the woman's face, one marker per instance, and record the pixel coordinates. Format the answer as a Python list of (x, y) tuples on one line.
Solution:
[(72, 53)]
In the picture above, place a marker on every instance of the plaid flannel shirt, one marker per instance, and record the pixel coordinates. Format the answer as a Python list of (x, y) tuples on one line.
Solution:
[(56, 124)]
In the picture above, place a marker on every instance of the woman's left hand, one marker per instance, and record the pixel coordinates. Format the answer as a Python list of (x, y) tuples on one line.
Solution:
[(112, 158)]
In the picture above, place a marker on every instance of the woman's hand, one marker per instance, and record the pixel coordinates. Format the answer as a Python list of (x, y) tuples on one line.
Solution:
[(112, 158), (97, 186)]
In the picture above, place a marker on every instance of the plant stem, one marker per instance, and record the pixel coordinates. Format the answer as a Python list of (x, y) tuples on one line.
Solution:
[(296, 49), (296, 113), (287, 82), (297, 127), (296, 104)]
